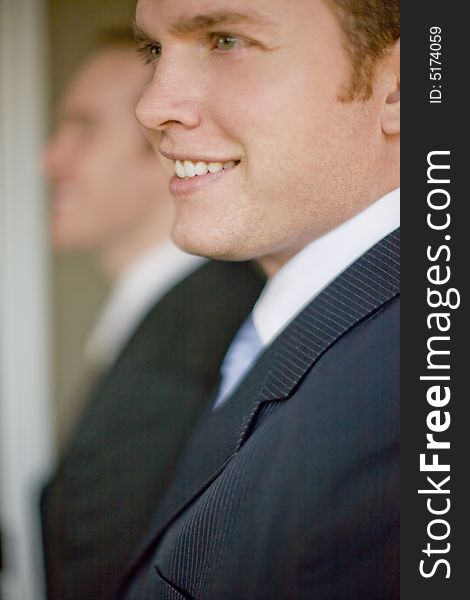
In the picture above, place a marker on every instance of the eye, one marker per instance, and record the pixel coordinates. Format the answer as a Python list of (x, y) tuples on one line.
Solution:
[(225, 42), (150, 52), (155, 52)]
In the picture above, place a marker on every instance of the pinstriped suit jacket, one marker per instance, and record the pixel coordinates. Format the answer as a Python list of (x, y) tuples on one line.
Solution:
[(290, 489)]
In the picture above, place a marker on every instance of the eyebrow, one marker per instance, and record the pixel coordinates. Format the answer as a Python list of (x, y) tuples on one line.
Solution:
[(204, 22), (77, 117)]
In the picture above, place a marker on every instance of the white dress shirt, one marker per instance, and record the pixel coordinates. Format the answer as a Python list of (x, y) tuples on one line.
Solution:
[(316, 265), (134, 294)]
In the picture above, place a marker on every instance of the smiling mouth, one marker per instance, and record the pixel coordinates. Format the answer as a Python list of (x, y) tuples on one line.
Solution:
[(188, 169)]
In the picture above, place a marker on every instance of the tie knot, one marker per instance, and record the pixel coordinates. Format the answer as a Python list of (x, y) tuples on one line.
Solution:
[(240, 356)]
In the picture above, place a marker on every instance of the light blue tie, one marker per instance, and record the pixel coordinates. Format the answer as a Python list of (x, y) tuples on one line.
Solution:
[(240, 356)]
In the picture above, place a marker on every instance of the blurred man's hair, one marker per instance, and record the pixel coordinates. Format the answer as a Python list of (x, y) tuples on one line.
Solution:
[(121, 37), (370, 28)]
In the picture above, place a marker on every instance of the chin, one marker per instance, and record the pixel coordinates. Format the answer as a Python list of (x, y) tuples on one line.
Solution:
[(202, 243), (62, 233), (59, 240), (63, 240)]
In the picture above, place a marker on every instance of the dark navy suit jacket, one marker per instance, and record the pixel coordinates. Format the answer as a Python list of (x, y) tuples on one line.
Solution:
[(290, 489)]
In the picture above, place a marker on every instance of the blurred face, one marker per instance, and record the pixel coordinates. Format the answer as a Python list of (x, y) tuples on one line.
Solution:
[(265, 155), (106, 182)]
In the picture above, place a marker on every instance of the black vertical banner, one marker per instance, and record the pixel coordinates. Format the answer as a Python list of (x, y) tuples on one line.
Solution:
[(435, 256)]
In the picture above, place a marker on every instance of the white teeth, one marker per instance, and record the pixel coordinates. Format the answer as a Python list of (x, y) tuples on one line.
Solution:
[(188, 168), (216, 167), (179, 169), (201, 168)]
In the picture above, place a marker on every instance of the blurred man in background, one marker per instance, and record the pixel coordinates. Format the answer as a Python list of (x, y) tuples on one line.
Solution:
[(157, 346)]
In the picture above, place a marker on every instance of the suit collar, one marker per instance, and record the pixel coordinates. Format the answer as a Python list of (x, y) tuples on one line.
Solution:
[(358, 292)]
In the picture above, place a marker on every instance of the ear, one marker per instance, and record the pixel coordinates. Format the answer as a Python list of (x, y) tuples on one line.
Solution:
[(391, 107)]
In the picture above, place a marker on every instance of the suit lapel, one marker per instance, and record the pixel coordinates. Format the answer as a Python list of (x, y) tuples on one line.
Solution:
[(357, 293)]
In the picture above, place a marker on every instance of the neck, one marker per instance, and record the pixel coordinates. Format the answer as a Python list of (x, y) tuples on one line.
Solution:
[(272, 263), (114, 261)]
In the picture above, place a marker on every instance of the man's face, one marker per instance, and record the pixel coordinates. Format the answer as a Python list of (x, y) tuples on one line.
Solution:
[(255, 84), (106, 182)]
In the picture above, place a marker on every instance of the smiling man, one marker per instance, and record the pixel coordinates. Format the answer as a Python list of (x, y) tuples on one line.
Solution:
[(281, 118)]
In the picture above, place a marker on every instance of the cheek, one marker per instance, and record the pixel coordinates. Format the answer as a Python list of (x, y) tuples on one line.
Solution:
[(274, 112), (128, 195), (107, 168), (247, 96), (95, 171)]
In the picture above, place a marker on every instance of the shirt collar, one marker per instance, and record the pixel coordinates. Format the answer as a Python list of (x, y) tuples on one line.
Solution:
[(148, 279), (321, 261)]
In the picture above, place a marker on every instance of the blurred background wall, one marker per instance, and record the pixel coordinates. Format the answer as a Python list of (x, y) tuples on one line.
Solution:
[(25, 387)]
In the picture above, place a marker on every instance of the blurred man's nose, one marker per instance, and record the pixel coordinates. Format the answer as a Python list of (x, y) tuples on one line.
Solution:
[(173, 97), (55, 158)]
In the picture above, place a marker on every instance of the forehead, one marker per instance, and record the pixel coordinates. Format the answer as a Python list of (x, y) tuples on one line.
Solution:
[(109, 82), (178, 15)]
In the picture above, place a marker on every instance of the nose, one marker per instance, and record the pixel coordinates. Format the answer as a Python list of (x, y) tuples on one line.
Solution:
[(55, 157), (173, 97)]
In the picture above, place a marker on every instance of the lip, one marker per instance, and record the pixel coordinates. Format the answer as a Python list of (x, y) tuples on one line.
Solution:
[(181, 188), (61, 200)]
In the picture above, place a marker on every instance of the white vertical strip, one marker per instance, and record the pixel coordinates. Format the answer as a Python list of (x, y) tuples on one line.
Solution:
[(25, 415)]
